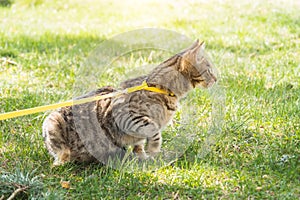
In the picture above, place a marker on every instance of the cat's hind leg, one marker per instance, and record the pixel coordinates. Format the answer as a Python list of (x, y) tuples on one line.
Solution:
[(54, 134)]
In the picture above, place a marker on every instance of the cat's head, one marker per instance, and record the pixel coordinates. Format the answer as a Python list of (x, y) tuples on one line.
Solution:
[(196, 66)]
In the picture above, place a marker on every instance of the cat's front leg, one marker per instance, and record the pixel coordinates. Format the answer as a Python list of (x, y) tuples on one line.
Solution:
[(149, 130), (142, 127), (154, 144)]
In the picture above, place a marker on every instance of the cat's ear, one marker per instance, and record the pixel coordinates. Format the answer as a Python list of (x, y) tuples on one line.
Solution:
[(194, 45), (197, 47), (202, 45), (193, 53)]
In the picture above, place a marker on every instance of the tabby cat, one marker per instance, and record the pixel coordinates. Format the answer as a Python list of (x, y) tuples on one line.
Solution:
[(130, 119)]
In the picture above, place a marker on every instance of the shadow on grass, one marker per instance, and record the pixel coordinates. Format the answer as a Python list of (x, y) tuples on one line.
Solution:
[(102, 182), (48, 43)]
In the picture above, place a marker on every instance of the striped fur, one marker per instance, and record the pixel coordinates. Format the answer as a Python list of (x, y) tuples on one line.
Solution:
[(131, 119)]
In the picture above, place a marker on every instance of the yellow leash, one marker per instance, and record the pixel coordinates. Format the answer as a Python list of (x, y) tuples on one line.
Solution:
[(18, 113)]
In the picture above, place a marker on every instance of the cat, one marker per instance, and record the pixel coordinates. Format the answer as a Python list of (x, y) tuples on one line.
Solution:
[(132, 119)]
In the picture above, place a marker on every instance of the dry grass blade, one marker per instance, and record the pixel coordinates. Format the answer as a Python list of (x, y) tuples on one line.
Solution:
[(16, 192)]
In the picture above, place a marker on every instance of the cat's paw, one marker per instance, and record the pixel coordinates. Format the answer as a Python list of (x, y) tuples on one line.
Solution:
[(57, 163), (142, 156), (154, 154), (62, 158)]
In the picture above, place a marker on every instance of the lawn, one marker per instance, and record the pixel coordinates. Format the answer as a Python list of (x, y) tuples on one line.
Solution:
[(246, 130)]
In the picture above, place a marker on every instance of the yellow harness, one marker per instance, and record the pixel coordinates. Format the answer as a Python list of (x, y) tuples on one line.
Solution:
[(143, 86)]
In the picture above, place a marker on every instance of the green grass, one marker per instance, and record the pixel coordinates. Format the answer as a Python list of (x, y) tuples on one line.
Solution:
[(254, 45)]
